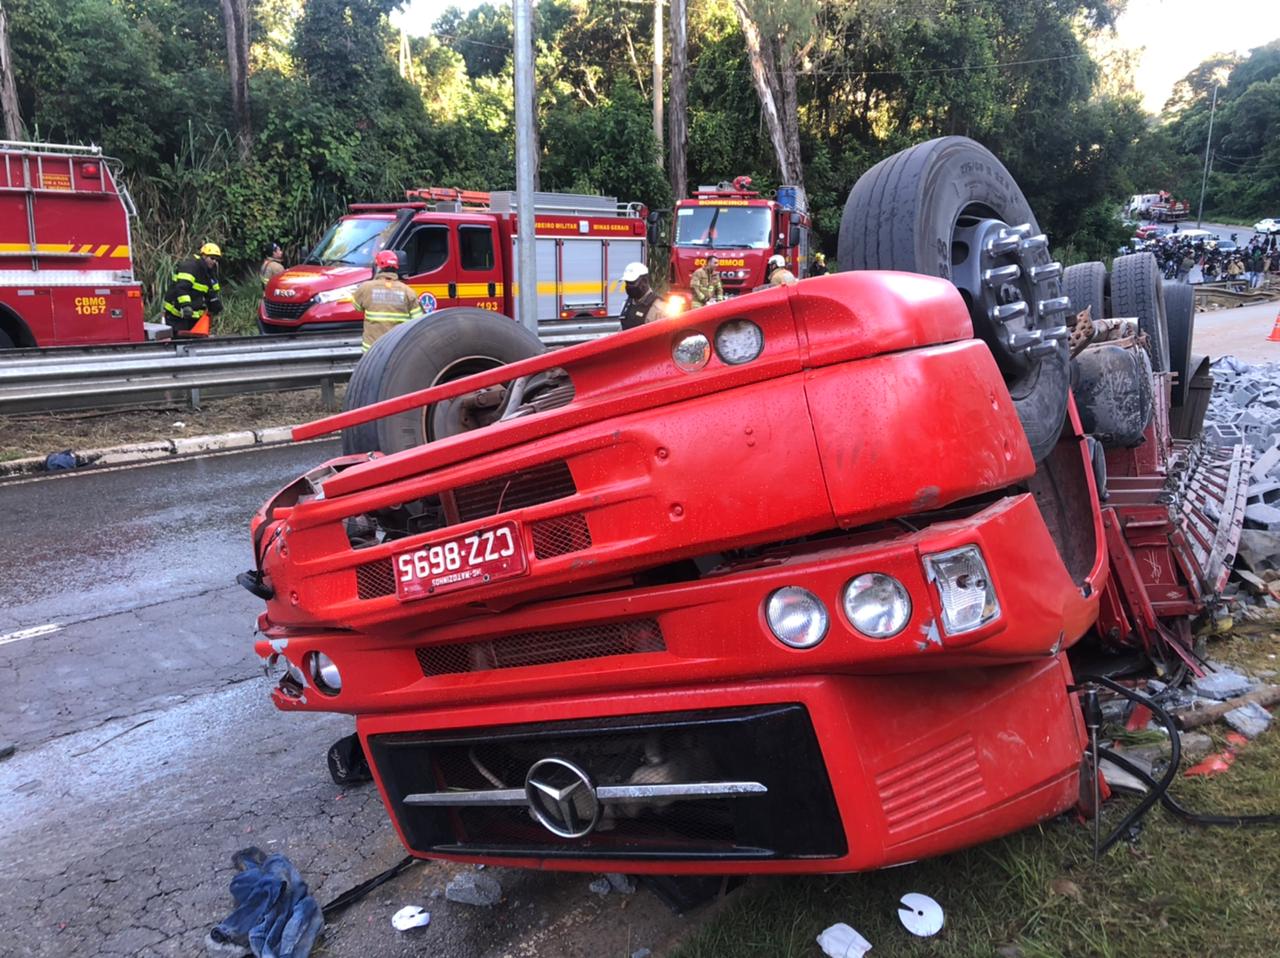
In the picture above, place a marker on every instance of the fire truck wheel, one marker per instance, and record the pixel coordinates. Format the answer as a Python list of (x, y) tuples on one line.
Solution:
[(1137, 289), (6, 341), (427, 352), (1085, 284), (949, 208), (1180, 323)]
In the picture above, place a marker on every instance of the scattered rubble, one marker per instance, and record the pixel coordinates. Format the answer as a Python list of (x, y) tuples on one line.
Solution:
[(474, 888), (1249, 720), (1244, 408), (1222, 684), (601, 887), (621, 883)]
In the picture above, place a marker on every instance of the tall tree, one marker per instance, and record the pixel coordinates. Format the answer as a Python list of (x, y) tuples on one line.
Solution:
[(779, 35), (677, 121), (235, 16), (8, 88)]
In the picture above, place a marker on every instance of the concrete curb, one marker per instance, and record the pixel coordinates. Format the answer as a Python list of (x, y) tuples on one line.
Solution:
[(156, 449)]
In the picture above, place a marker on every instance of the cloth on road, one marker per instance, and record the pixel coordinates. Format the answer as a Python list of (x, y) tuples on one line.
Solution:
[(275, 915)]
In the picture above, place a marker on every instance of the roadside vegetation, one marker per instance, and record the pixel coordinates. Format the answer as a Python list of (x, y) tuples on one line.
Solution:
[(1176, 891)]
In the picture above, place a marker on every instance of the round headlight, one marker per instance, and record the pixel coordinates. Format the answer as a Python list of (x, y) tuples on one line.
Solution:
[(739, 341), (691, 352), (877, 605), (324, 674), (797, 617)]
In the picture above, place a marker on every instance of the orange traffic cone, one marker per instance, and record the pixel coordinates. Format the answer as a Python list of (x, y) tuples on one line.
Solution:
[(201, 328), (1275, 331)]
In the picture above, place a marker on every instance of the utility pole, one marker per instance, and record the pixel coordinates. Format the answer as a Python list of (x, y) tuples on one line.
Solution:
[(679, 99), (526, 249), (1204, 180), (658, 37)]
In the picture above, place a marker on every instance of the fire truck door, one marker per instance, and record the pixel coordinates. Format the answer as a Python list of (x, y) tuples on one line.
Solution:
[(581, 277), (479, 275), (619, 253), (427, 265)]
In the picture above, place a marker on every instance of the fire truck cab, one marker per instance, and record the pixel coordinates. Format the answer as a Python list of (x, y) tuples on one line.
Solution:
[(457, 249), (66, 275), (744, 229)]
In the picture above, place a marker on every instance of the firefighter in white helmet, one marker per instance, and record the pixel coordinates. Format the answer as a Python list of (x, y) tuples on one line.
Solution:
[(777, 272), (643, 305)]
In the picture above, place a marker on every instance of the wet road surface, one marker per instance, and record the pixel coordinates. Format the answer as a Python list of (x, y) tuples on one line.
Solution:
[(148, 752)]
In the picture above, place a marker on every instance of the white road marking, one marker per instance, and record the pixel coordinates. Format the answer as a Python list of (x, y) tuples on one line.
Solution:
[(31, 633)]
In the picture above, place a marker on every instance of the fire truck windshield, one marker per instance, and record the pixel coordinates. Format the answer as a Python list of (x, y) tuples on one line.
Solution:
[(352, 242), (724, 227)]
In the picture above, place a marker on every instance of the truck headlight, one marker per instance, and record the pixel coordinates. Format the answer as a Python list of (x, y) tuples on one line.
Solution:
[(333, 295), (877, 605), (964, 589), (286, 676), (691, 352), (739, 341), (797, 617), (324, 673)]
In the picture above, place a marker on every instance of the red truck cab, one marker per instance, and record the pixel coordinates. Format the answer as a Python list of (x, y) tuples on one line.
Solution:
[(744, 229), (66, 272), (456, 249)]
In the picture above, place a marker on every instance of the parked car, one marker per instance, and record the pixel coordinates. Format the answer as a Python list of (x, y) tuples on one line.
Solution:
[(1269, 225)]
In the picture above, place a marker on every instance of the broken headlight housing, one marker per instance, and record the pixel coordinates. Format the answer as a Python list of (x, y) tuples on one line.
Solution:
[(965, 591)]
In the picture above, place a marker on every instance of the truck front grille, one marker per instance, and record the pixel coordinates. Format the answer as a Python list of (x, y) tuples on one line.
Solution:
[(542, 648), (285, 310), (790, 813)]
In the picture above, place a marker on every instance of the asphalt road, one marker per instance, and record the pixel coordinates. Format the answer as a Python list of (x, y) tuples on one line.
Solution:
[(148, 752), (1241, 332)]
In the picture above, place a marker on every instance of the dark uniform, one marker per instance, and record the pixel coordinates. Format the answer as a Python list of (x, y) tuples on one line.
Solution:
[(637, 312), (194, 287)]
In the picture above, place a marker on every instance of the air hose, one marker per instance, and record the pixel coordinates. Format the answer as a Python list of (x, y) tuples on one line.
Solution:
[(1158, 790)]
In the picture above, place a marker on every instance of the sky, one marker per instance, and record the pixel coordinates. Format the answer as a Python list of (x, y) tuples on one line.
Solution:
[(1177, 35)]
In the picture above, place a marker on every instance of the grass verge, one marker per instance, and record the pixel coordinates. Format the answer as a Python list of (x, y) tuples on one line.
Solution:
[(1178, 891)]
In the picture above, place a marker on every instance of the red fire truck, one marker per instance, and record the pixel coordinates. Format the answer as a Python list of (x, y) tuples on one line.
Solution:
[(457, 249), (785, 584), (744, 229), (66, 274)]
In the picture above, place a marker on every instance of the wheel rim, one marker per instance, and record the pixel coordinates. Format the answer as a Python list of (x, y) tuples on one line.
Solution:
[(1005, 275), (452, 417)]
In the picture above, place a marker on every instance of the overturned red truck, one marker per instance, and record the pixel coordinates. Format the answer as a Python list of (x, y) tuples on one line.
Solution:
[(784, 584)]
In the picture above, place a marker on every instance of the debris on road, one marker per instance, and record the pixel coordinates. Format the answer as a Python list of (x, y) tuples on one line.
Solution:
[(1195, 717), (621, 883), (474, 888), (274, 914), (920, 915), (1222, 684), (411, 916), (841, 941), (601, 886)]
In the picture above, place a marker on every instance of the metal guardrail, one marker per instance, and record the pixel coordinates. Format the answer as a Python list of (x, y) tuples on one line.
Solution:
[(184, 369), (190, 370)]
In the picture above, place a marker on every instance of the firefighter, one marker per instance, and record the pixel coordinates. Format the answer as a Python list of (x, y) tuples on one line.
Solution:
[(643, 305), (705, 283), (194, 291), (272, 264), (778, 274), (819, 267), (384, 301)]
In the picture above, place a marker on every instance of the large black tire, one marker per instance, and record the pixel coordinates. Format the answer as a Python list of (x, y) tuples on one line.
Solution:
[(1137, 289), (6, 341), (1113, 394), (1180, 321), (1085, 284), (908, 212), (439, 348)]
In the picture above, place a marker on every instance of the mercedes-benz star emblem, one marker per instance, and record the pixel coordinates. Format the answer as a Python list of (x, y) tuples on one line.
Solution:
[(562, 797)]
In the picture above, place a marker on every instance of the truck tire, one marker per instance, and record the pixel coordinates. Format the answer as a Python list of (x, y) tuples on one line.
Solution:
[(1137, 289), (437, 349), (1085, 284), (926, 210), (1113, 394), (1180, 322), (6, 341)]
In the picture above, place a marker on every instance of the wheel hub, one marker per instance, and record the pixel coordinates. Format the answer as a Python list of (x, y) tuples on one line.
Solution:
[(1005, 274)]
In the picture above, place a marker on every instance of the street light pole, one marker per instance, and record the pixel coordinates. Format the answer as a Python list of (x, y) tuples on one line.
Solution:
[(526, 248), (1204, 180)]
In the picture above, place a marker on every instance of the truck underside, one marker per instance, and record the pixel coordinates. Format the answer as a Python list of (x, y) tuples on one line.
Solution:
[(774, 586)]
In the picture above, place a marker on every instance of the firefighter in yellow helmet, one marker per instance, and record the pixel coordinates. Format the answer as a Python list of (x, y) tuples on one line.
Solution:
[(384, 301), (194, 293)]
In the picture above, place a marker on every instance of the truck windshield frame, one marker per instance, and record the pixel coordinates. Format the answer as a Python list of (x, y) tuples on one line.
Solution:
[(724, 227), (352, 241)]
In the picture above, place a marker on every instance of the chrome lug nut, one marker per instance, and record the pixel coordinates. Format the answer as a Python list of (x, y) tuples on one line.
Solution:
[(1021, 342), (1001, 274), (1034, 243), (1015, 310), (1047, 307), (1049, 271)]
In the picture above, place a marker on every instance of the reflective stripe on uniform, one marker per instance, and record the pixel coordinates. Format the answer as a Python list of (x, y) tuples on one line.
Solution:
[(184, 298), (170, 308), (199, 287), (184, 278)]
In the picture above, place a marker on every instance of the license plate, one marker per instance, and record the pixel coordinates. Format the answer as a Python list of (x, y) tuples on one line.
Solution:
[(474, 559)]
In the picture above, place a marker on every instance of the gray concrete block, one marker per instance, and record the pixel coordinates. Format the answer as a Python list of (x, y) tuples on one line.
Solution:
[(1263, 516)]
